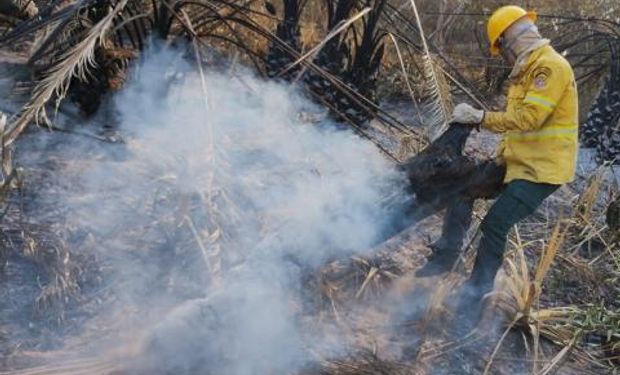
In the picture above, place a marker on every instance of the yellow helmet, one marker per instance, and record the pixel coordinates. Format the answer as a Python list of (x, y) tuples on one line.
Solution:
[(501, 20)]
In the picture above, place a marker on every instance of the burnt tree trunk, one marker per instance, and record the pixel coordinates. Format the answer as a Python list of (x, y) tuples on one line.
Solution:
[(442, 175)]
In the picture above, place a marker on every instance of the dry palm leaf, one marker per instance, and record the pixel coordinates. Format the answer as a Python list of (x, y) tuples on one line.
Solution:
[(434, 85), (75, 63)]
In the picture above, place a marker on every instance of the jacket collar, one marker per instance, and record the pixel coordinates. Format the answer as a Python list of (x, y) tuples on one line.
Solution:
[(528, 57)]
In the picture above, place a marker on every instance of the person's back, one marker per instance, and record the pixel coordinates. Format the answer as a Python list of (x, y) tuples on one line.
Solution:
[(540, 124)]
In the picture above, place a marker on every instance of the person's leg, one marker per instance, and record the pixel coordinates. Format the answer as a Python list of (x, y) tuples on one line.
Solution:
[(447, 249), (455, 226), (484, 181), (519, 200)]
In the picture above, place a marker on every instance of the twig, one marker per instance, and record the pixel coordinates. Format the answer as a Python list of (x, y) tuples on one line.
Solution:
[(201, 245), (203, 86), (371, 274)]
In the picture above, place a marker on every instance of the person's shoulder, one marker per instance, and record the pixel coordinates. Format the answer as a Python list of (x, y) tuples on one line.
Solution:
[(554, 60), (551, 63)]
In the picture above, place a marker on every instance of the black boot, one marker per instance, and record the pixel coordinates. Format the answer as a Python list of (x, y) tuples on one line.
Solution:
[(440, 261), (469, 307), (471, 299), (446, 250)]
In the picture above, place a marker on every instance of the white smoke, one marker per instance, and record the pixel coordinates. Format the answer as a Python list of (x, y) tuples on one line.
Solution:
[(270, 196)]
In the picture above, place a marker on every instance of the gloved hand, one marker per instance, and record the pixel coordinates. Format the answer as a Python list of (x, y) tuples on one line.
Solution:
[(466, 114)]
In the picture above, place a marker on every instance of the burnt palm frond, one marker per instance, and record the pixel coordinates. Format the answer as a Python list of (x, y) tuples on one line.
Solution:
[(363, 66), (353, 56), (333, 55), (46, 17), (20, 9), (68, 29), (226, 16), (59, 39), (338, 11), (162, 19)]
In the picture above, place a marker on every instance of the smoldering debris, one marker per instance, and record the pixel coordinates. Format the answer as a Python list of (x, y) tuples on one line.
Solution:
[(208, 218)]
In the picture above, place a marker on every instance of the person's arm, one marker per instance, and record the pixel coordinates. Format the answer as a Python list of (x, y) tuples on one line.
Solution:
[(547, 85)]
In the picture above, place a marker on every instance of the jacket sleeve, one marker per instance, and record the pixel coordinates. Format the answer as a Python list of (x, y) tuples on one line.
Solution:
[(545, 87)]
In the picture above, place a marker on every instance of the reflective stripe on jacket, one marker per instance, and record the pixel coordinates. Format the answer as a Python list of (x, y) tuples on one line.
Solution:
[(540, 124)]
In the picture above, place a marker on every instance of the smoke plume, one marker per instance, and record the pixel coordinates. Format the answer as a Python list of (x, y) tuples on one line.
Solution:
[(211, 213)]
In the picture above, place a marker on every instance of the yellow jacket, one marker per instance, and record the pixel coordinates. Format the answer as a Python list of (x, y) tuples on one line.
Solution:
[(540, 124)]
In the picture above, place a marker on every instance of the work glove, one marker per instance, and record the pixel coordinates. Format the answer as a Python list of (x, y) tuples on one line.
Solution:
[(466, 114)]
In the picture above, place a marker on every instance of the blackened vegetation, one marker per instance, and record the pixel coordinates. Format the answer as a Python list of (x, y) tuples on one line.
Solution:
[(600, 130), (342, 75), (612, 216), (15, 10), (360, 61), (592, 45), (110, 60), (351, 59), (279, 58)]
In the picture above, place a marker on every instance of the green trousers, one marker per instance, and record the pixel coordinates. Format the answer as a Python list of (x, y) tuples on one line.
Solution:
[(518, 200)]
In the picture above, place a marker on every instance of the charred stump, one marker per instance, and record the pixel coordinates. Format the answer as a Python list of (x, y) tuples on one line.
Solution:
[(443, 177)]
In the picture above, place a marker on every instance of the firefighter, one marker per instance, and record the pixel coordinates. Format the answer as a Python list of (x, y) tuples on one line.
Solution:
[(539, 146)]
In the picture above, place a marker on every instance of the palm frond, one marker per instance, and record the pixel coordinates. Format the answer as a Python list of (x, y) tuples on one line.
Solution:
[(75, 63), (435, 84)]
